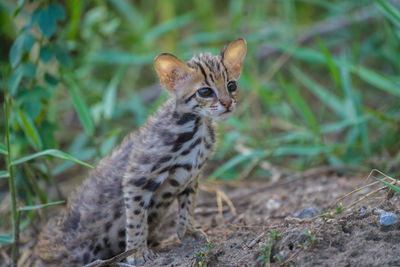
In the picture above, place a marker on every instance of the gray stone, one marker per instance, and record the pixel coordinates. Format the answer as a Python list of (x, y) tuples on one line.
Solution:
[(363, 209), (307, 213), (388, 218)]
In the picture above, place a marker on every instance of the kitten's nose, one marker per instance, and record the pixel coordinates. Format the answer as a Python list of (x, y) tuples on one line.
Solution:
[(227, 103)]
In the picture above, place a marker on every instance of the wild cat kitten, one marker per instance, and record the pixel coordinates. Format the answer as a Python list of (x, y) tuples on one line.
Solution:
[(125, 199)]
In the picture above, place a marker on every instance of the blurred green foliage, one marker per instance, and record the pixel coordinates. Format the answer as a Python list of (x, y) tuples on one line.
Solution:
[(321, 81)]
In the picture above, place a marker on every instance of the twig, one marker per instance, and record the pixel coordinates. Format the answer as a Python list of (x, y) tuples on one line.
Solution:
[(255, 240), (11, 181), (114, 261), (211, 210), (220, 196), (354, 191), (293, 255)]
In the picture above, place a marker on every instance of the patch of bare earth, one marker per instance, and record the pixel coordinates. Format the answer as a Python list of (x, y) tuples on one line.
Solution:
[(352, 238)]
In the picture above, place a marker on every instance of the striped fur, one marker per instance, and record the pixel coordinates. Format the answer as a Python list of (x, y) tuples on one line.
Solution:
[(123, 202)]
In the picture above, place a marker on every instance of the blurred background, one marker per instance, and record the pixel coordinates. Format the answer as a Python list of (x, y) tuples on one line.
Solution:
[(320, 85)]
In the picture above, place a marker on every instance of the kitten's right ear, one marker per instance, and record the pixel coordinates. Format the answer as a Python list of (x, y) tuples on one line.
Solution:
[(172, 71)]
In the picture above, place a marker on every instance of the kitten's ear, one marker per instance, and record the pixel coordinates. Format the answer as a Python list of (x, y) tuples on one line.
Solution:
[(233, 55), (172, 71)]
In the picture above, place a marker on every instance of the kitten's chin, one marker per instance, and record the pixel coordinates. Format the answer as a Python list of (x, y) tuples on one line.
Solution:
[(224, 116)]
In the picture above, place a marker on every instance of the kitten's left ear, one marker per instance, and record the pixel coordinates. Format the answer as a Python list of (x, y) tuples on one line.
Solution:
[(233, 55), (172, 71)]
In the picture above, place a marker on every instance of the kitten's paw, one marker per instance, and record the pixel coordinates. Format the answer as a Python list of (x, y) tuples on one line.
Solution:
[(141, 257), (196, 234)]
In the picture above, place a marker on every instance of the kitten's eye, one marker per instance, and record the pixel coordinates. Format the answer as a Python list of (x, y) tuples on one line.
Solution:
[(232, 86), (205, 92)]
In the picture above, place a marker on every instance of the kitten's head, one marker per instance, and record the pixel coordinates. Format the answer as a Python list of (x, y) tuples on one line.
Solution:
[(205, 85)]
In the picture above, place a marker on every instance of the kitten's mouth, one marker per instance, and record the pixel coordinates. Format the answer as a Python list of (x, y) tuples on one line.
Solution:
[(225, 115)]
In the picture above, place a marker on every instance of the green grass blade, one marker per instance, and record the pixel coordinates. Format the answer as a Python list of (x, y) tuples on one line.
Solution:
[(128, 11), (3, 149), (155, 32), (80, 106), (122, 58), (355, 108), (329, 61), (51, 152), (36, 207), (391, 186), (299, 103), (110, 95), (329, 99), (235, 161), (30, 130), (302, 53), (378, 80), (391, 12), (4, 174), (298, 150), (6, 239)]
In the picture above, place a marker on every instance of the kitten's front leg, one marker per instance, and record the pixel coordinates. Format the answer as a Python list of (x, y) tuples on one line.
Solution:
[(137, 198), (187, 204)]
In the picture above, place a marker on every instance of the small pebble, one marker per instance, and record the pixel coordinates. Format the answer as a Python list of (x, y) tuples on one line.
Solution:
[(377, 211), (272, 204), (388, 218), (307, 213), (363, 209)]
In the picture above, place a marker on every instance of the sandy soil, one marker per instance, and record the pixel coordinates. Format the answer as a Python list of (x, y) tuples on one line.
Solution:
[(265, 233), (352, 238)]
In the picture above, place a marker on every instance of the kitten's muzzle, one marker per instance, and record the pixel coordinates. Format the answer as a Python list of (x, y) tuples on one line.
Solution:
[(227, 104)]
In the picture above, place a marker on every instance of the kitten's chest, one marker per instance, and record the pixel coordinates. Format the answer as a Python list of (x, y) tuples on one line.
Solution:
[(192, 145), (196, 151)]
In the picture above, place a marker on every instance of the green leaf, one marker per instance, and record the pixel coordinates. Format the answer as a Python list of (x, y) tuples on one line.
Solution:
[(36, 207), (15, 79), (50, 79), (29, 40), (80, 106), (29, 70), (16, 51), (235, 161), (62, 55), (58, 11), (30, 130), (329, 61), (299, 103), (19, 7), (298, 150), (3, 149), (120, 57), (51, 152), (32, 107), (6, 239), (390, 11), (4, 174), (393, 187), (319, 91), (155, 32), (128, 10), (110, 94), (378, 80), (47, 130), (47, 22), (46, 53)]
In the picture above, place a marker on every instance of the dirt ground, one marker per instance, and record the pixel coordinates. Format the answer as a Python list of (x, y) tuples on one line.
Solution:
[(265, 233), (352, 238)]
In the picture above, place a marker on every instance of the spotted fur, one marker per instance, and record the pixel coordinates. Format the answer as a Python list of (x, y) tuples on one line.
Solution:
[(123, 202)]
